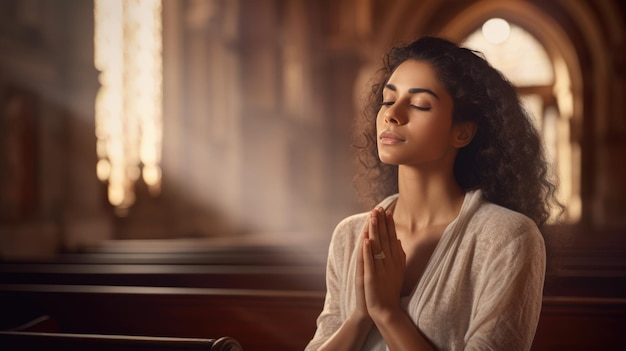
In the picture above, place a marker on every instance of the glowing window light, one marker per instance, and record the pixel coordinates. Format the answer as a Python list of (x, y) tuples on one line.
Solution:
[(521, 57), (128, 54), (496, 30)]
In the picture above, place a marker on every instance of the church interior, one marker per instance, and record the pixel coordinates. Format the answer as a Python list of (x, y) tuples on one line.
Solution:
[(175, 169)]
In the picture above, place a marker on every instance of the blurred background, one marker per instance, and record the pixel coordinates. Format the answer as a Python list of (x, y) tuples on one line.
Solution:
[(177, 167), (230, 122)]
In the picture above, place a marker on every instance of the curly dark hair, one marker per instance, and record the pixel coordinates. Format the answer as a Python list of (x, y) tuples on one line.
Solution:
[(505, 158)]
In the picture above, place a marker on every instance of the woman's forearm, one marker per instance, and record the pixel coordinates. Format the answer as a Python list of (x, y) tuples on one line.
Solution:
[(401, 334)]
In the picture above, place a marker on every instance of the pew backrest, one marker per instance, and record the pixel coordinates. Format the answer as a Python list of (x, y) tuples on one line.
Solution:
[(16, 340)]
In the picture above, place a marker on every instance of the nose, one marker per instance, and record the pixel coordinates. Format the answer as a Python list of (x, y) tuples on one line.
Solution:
[(393, 115), (391, 119)]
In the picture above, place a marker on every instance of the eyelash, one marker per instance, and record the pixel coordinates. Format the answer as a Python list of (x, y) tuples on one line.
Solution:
[(389, 103)]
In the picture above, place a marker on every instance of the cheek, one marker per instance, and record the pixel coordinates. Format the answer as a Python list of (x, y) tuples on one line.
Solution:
[(426, 128), (434, 135)]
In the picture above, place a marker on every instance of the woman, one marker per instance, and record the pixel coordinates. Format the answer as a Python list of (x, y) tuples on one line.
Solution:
[(452, 257)]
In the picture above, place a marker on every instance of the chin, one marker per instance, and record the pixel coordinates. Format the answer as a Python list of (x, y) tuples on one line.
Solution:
[(389, 161)]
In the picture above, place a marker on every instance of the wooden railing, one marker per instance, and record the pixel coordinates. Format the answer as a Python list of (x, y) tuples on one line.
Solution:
[(16, 340)]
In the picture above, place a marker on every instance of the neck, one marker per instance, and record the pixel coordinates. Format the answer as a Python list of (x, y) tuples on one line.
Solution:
[(426, 198)]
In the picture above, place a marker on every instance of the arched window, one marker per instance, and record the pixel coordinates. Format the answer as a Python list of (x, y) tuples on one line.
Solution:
[(544, 88)]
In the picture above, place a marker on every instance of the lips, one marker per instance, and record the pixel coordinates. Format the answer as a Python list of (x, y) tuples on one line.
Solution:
[(390, 138)]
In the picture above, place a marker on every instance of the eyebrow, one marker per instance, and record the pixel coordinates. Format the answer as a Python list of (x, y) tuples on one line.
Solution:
[(413, 90)]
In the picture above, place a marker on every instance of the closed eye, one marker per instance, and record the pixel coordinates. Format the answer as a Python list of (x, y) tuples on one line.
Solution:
[(389, 103), (421, 108)]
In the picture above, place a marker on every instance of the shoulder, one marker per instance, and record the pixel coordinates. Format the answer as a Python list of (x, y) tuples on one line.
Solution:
[(503, 241), (490, 214), (350, 224), (499, 226), (346, 234)]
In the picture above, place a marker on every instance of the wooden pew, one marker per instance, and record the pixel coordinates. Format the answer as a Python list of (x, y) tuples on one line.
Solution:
[(164, 264), (302, 278), (581, 323), (269, 296), (266, 299), (279, 320), (15, 340), (258, 319)]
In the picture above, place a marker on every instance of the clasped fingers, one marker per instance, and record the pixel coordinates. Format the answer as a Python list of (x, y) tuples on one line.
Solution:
[(382, 233)]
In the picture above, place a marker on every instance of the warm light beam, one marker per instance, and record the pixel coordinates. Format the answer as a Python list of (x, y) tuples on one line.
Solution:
[(128, 54)]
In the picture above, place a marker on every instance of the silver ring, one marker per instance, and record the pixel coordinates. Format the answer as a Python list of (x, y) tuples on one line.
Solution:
[(379, 256)]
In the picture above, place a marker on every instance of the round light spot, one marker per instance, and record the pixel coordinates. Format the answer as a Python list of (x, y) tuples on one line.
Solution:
[(496, 30)]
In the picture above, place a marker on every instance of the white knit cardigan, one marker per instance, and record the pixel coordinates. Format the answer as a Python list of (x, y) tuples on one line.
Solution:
[(481, 289)]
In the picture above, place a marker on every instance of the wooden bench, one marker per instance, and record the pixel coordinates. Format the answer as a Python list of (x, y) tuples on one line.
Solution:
[(265, 299), (164, 264), (277, 320), (581, 324), (163, 275), (258, 319), (16, 340)]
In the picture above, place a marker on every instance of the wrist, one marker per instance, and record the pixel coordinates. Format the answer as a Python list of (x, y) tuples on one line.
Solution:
[(386, 316), (361, 320)]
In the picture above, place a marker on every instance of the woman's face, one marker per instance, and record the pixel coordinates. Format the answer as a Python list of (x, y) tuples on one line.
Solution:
[(414, 124)]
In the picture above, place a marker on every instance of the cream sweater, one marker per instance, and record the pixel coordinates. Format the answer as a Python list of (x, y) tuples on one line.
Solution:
[(481, 289)]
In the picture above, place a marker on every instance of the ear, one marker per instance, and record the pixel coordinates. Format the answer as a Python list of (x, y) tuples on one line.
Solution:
[(463, 134)]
